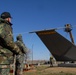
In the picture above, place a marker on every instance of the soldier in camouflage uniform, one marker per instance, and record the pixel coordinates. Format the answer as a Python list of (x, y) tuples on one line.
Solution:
[(20, 58), (7, 45), (51, 61)]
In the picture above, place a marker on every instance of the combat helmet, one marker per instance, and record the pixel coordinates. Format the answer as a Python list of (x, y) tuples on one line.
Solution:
[(5, 15), (19, 37)]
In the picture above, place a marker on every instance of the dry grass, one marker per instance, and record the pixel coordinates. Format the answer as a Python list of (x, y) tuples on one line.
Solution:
[(46, 70)]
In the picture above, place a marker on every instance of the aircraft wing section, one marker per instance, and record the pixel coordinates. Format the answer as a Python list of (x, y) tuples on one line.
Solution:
[(61, 48)]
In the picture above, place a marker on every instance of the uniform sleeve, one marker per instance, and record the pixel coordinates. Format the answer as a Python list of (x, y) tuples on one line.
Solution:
[(7, 39), (13, 47), (22, 47)]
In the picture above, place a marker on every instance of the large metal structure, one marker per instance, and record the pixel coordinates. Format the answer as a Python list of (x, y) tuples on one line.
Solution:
[(60, 47)]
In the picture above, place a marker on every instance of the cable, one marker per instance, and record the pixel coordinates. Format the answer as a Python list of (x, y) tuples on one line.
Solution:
[(43, 30)]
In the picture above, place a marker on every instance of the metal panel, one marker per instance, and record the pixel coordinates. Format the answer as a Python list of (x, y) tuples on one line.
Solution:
[(61, 48)]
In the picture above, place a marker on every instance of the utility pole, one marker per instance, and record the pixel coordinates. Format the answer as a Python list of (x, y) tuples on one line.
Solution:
[(32, 53), (68, 28)]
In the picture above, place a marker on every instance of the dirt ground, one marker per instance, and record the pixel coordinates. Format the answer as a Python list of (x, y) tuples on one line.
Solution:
[(48, 69), (61, 69)]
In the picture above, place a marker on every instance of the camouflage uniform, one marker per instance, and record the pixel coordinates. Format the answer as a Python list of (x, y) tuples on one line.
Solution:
[(20, 58), (7, 47), (51, 61)]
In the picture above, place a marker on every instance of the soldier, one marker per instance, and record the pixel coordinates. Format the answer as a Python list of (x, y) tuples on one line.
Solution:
[(51, 61), (20, 58), (7, 45)]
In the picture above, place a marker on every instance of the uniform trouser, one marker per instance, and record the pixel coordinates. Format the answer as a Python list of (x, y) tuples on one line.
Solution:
[(5, 70), (4, 66), (6, 59), (19, 65)]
